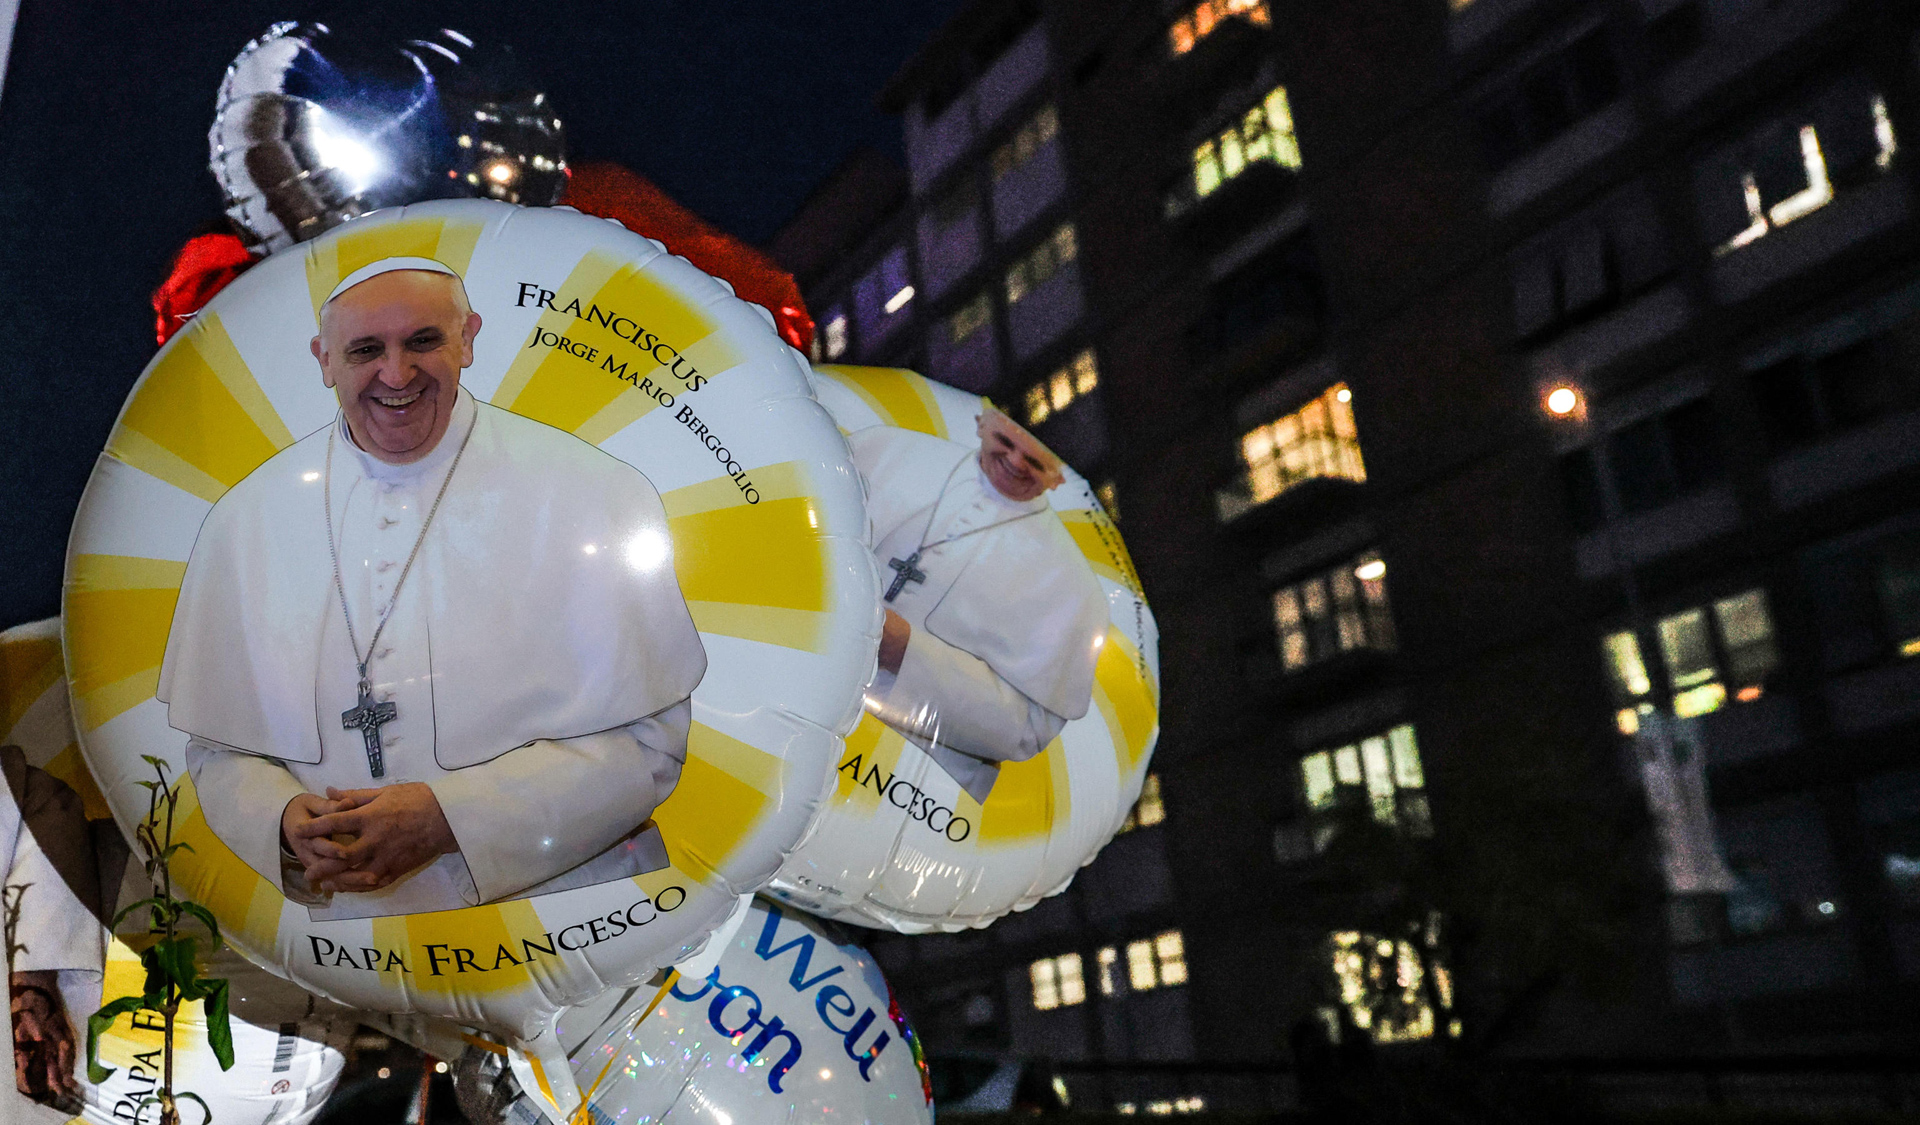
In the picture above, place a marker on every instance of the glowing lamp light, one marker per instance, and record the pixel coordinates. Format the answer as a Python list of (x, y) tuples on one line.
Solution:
[(1562, 401), (899, 300), (500, 172), (1344, 395), (1370, 570)]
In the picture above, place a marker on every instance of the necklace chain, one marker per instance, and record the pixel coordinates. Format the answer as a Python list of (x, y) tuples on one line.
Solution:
[(339, 584), (934, 513)]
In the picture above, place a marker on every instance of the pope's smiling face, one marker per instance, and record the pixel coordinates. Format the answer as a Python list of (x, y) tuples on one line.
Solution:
[(1014, 460), (392, 348)]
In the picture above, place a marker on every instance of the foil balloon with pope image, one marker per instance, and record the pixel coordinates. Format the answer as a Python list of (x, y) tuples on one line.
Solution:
[(497, 593), (1015, 704), (288, 1048)]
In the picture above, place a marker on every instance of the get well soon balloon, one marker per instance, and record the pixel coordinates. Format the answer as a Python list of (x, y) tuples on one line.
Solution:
[(1008, 727), (501, 634), (790, 1023)]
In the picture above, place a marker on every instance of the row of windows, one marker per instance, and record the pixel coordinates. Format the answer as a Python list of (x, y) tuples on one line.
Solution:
[(885, 291), (1381, 773), (1394, 990), (1149, 810), (1318, 440), (1026, 141), (1707, 652), (1341, 610), (1075, 379), (1203, 18), (1156, 962), (1781, 172), (1262, 134)]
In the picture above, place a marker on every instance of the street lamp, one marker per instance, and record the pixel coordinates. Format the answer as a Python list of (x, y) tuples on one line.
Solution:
[(1562, 401)]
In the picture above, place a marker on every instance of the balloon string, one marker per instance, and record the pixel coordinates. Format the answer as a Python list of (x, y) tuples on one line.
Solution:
[(583, 1115)]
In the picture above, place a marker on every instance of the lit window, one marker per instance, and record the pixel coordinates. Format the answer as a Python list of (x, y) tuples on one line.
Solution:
[(834, 333), (1382, 983), (969, 318), (1148, 810), (1040, 129), (1264, 132), (1343, 610), (1171, 951), (1157, 962), (1627, 677), (1208, 15), (1109, 499), (1725, 649), (1108, 962), (879, 296), (1076, 379), (1041, 263), (1772, 200), (1057, 982), (1383, 771), (1317, 440)]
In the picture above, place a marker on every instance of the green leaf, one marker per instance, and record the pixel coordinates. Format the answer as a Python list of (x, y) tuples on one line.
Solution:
[(156, 902), (219, 1031), (156, 763), (177, 960), (150, 786), (206, 919), (97, 1024), (185, 1094)]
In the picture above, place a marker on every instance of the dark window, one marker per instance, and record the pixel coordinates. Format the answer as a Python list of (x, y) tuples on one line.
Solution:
[(1804, 398), (1589, 265), (1897, 582), (988, 48), (1654, 461), (1676, 33), (1284, 281), (1550, 98), (1582, 483)]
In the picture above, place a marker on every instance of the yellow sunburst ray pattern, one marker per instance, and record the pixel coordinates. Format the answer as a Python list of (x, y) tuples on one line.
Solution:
[(199, 420), (1029, 798), (118, 611), (754, 571), (724, 789), (900, 397), (1099, 541), (1125, 698)]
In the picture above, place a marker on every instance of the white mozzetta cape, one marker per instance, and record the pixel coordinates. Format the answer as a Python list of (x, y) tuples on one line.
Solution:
[(1025, 600), (532, 636)]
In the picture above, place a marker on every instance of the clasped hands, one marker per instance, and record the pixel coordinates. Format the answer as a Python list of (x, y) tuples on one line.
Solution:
[(365, 839)]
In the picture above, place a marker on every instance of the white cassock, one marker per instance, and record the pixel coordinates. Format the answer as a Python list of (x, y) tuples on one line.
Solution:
[(1007, 624), (44, 847), (539, 654)]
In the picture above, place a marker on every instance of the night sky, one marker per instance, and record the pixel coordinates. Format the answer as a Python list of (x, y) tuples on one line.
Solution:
[(737, 109)]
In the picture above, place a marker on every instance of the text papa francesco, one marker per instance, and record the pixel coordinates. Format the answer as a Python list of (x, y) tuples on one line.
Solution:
[(904, 794), (449, 960)]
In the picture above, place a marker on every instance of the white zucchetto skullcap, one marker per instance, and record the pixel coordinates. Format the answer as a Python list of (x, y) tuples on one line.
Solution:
[(388, 265)]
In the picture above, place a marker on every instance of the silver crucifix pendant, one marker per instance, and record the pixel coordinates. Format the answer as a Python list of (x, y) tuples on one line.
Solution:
[(367, 717)]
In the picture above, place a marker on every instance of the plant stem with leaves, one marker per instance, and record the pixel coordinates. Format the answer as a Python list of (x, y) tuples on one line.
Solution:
[(171, 960)]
